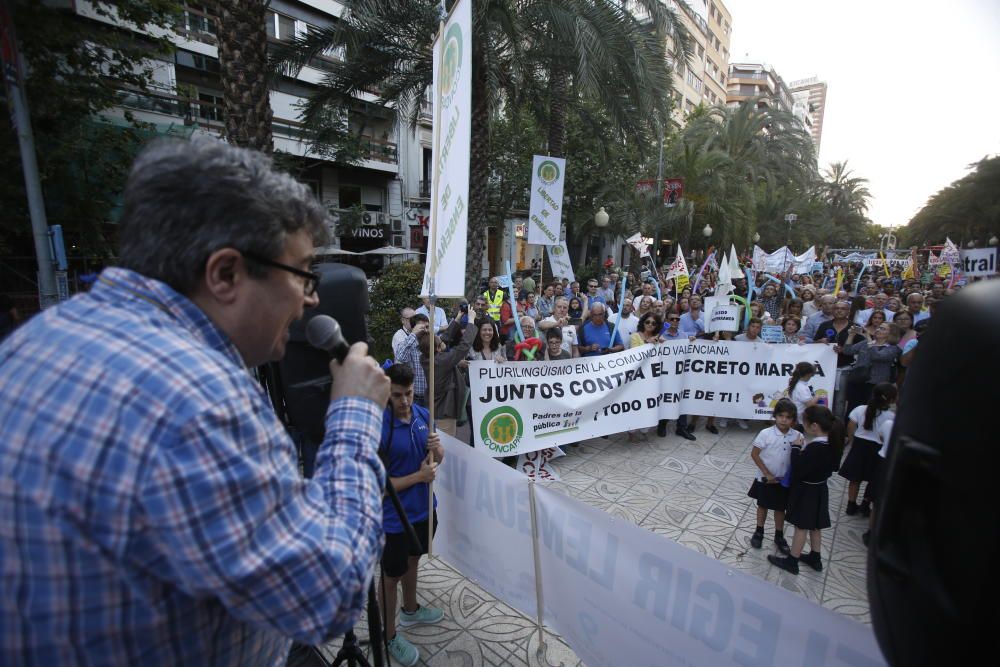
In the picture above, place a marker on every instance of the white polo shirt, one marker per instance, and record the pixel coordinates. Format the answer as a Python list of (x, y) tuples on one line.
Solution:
[(776, 448)]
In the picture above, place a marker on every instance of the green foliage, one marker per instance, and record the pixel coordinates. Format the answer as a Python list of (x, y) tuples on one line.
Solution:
[(968, 209), (397, 287), (75, 69)]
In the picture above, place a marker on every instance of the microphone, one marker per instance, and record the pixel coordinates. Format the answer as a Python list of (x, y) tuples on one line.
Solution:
[(323, 332)]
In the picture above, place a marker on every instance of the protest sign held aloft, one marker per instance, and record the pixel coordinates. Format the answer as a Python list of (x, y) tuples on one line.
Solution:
[(519, 408)]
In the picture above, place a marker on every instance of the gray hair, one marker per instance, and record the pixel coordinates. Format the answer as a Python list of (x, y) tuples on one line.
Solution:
[(185, 200)]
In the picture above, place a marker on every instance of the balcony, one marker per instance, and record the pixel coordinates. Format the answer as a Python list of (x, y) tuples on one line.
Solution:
[(424, 189), (196, 26), (379, 150), (211, 116), (426, 111)]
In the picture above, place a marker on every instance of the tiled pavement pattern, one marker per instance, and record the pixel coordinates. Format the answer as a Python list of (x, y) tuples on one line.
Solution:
[(692, 492)]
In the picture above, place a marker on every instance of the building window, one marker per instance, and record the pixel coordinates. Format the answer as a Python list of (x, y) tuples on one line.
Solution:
[(280, 26), (690, 78), (210, 106), (350, 195), (701, 51)]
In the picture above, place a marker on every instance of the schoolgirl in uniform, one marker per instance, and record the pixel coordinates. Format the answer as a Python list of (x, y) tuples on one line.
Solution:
[(874, 489), (770, 453), (798, 389), (862, 461), (811, 464)]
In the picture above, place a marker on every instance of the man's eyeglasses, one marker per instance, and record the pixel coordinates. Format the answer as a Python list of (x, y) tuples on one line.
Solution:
[(311, 280)]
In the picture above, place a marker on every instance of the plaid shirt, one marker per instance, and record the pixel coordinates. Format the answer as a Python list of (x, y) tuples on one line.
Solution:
[(409, 353), (151, 510)]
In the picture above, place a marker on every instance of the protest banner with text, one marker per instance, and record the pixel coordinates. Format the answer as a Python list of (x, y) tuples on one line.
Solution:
[(545, 215), (522, 407), (445, 266), (617, 593)]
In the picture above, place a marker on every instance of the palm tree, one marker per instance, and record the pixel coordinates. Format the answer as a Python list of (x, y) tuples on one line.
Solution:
[(846, 197), (735, 161), (241, 30), (570, 48)]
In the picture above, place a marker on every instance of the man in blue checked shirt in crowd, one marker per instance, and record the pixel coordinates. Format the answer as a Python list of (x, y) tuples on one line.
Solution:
[(151, 510)]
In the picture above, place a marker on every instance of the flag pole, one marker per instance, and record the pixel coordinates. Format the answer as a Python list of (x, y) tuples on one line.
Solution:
[(430, 283)]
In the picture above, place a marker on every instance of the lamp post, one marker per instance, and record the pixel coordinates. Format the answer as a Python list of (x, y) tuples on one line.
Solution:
[(601, 221), (790, 218)]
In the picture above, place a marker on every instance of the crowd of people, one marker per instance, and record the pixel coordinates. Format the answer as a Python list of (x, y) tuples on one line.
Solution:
[(874, 329)]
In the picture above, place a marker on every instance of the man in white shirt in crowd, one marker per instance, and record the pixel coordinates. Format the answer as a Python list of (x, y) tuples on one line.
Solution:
[(560, 318), (915, 304), (440, 319), (402, 332), (878, 303), (629, 322)]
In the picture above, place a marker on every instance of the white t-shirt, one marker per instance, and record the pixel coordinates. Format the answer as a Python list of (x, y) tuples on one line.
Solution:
[(440, 319), (397, 341), (858, 417), (627, 327), (775, 449), (862, 316), (884, 431), (801, 395), (568, 332)]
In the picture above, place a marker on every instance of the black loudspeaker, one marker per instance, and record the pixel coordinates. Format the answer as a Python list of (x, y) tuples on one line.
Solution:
[(931, 583), (303, 376)]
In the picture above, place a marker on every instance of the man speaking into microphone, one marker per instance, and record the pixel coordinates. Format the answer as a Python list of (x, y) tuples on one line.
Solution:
[(151, 510)]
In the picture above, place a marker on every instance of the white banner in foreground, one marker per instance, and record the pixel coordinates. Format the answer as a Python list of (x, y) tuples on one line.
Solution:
[(619, 594), (450, 183), (547, 174), (521, 407)]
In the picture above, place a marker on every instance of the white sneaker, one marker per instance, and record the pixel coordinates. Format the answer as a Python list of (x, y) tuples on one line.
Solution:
[(722, 423), (743, 424)]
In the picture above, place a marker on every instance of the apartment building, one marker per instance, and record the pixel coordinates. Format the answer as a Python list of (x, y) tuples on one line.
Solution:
[(809, 96), (390, 182), (703, 80), (749, 80)]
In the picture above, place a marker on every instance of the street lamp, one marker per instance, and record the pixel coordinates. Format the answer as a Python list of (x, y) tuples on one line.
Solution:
[(707, 231), (993, 240), (601, 218), (756, 237), (790, 218)]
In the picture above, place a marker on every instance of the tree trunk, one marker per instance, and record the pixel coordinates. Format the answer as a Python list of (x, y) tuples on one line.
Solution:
[(557, 113), (242, 34), (478, 180)]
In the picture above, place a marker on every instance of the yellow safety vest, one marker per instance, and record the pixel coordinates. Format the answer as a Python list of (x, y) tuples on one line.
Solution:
[(494, 304)]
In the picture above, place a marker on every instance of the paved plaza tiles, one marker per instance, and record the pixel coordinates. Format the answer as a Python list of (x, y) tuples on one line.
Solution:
[(691, 492)]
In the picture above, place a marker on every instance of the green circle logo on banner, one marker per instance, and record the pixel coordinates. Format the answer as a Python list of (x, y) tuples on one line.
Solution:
[(451, 64), (557, 250), (548, 171), (502, 428)]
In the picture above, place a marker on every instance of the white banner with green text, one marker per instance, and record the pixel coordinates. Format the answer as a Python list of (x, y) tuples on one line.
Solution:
[(522, 407)]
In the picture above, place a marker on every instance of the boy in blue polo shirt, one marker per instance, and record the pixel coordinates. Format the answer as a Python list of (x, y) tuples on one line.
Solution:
[(411, 454)]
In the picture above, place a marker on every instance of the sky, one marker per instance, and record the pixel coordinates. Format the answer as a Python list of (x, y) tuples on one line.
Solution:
[(913, 93)]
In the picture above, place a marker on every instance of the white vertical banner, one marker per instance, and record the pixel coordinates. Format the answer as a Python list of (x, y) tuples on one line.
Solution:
[(545, 215), (452, 130), (559, 261)]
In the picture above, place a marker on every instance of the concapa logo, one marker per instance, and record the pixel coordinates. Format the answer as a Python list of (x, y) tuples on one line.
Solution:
[(502, 429)]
